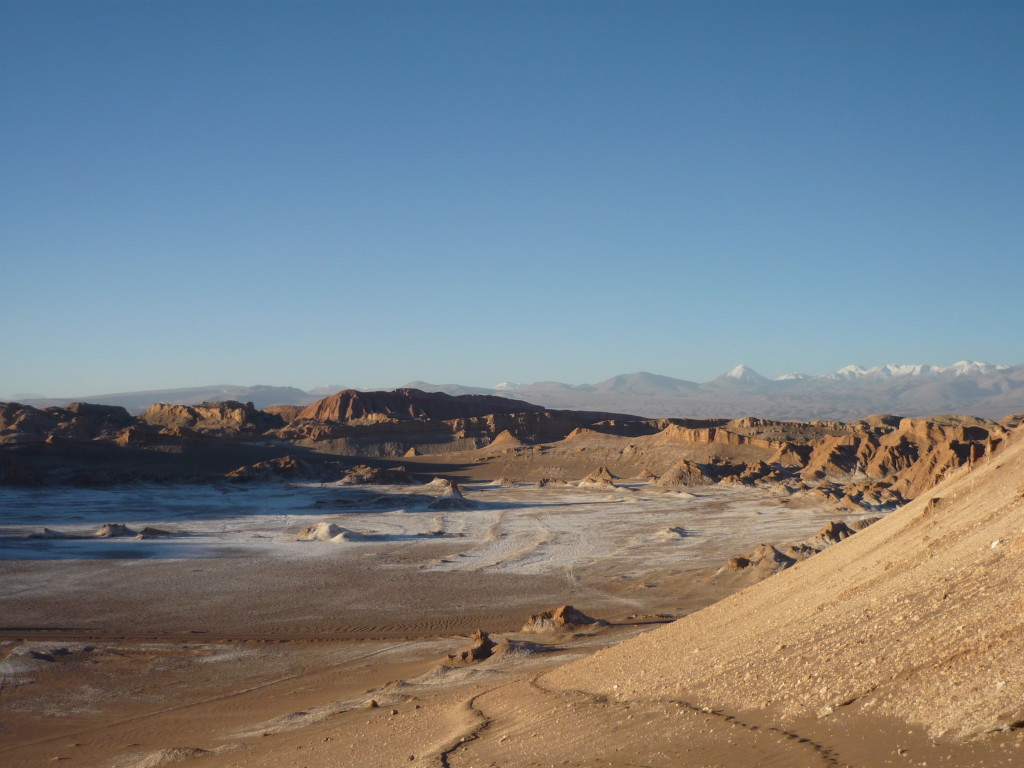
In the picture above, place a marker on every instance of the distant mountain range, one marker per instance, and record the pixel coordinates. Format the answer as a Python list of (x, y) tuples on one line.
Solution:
[(137, 402), (974, 388), (979, 389)]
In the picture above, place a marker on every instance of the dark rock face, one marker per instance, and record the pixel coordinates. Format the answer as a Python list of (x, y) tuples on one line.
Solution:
[(362, 474), (284, 468), (15, 475)]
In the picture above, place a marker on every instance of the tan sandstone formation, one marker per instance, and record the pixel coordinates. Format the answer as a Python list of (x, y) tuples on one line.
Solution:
[(479, 649), (600, 479), (227, 419), (564, 618), (683, 473)]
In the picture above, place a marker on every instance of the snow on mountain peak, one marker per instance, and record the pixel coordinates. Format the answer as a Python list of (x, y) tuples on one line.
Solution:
[(739, 372), (847, 372), (898, 370), (744, 374), (968, 367), (889, 370)]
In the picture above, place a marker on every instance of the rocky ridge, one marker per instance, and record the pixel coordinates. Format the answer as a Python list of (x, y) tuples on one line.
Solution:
[(877, 462)]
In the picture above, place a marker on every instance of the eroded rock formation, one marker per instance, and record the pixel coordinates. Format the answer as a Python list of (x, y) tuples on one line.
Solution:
[(227, 419), (564, 618)]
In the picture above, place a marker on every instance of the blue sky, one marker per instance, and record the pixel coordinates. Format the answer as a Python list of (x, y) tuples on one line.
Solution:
[(369, 193)]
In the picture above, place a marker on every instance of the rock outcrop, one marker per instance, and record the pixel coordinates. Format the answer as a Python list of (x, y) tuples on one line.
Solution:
[(600, 479), (683, 473), (452, 499), (564, 618), (767, 559), (79, 422), (481, 648), (226, 419), (349, 405), (326, 531), (284, 468), (363, 474), (114, 531)]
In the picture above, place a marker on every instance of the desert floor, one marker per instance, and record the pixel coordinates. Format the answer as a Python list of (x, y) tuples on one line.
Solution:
[(230, 643)]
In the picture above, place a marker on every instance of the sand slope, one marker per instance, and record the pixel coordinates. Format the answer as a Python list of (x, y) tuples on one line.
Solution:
[(919, 617)]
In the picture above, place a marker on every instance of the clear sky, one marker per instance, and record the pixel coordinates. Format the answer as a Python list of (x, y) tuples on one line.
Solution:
[(362, 194)]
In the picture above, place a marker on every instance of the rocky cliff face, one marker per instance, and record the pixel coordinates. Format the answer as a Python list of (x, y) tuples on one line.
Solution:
[(914, 455), (23, 424), (226, 419)]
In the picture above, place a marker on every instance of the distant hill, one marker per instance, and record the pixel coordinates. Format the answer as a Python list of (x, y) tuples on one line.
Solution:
[(136, 402)]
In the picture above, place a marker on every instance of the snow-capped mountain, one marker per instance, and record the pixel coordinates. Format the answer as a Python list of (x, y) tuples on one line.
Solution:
[(961, 368), (743, 374)]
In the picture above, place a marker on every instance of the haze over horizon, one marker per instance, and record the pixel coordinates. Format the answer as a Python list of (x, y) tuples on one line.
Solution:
[(512, 386), (372, 193)]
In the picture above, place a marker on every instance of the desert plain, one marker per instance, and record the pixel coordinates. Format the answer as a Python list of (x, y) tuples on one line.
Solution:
[(747, 593)]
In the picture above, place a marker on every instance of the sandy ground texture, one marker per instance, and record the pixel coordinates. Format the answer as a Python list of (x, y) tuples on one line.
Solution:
[(195, 636), (248, 648), (233, 567)]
